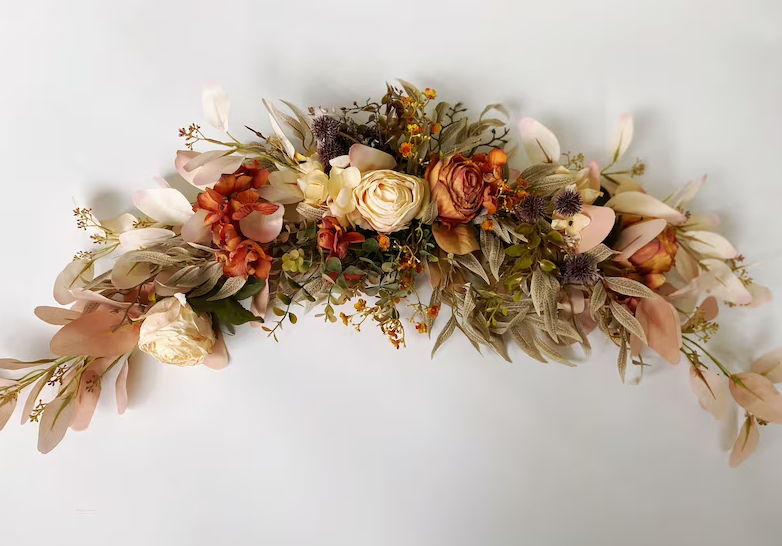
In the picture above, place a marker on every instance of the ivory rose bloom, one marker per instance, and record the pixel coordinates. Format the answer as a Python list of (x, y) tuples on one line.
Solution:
[(457, 184), (174, 333), (388, 200)]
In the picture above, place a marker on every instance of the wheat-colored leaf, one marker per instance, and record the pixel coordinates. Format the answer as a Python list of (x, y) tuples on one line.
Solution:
[(411, 90), (548, 351), (525, 337), (431, 213), (551, 183), (629, 287), (597, 300), (231, 286), (471, 263), (534, 173), (627, 320), (622, 359), (544, 290), (494, 252), (600, 253), (215, 276), (310, 213)]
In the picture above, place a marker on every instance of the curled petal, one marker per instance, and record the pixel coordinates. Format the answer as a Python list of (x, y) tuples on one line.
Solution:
[(208, 175), (709, 244), (194, 230), (686, 265), (137, 238), (367, 159), (769, 366), (622, 136), (725, 285), (289, 149), (761, 295), (601, 223), (75, 275), (643, 204), (662, 327), (216, 107), (261, 227), (540, 144), (636, 236), (458, 240), (218, 358), (164, 205), (746, 443), (685, 195)]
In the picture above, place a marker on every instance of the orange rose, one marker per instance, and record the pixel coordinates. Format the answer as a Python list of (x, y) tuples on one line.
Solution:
[(457, 184)]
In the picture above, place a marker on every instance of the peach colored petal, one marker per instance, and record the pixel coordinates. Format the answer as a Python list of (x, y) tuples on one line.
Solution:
[(769, 365), (56, 419), (686, 265), (32, 396), (757, 394), (643, 204), (662, 327), (458, 240), (746, 443), (96, 334), (75, 275), (90, 296), (121, 386), (631, 239), (218, 358), (600, 225), (89, 393), (194, 230), (711, 390), (263, 228), (710, 308), (367, 159), (260, 302), (56, 315)]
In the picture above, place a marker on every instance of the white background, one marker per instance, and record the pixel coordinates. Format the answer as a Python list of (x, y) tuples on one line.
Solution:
[(333, 437)]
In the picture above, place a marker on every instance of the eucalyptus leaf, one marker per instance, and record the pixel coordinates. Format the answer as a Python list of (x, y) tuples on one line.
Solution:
[(629, 287), (627, 320), (450, 326), (494, 252), (230, 287), (471, 263)]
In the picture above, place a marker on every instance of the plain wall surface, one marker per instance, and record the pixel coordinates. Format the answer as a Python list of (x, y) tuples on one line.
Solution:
[(332, 437)]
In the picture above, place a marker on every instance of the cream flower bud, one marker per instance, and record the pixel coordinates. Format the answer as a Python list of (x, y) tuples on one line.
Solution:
[(174, 333), (389, 200)]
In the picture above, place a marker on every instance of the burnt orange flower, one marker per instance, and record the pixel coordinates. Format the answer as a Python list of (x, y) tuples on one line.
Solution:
[(414, 129), (436, 128), (383, 242), (421, 327), (430, 94), (487, 225), (248, 259), (432, 311), (406, 149), (336, 239)]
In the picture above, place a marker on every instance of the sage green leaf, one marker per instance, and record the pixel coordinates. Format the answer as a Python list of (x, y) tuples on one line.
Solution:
[(552, 183), (525, 338), (431, 213), (627, 320), (597, 300), (600, 253), (534, 173), (215, 274), (249, 289), (411, 90), (450, 326), (226, 311), (622, 360), (629, 287)]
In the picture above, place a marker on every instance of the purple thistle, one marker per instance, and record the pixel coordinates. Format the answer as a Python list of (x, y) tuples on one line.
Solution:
[(568, 203), (532, 208), (580, 269), (325, 128)]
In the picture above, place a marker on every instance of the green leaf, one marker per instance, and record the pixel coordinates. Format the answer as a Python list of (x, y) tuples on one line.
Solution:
[(525, 262), (333, 265), (279, 312), (547, 266), (293, 284), (555, 237), (388, 267), (228, 311), (284, 298), (533, 240), (370, 245), (516, 250), (249, 290), (293, 318)]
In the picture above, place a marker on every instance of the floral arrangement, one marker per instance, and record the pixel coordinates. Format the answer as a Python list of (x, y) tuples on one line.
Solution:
[(349, 209)]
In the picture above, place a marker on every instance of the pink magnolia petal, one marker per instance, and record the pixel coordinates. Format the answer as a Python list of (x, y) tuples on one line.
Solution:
[(683, 196), (75, 275), (56, 418), (370, 159), (686, 265), (201, 159), (761, 295), (138, 238), (194, 230), (621, 137), (602, 222), (721, 282), (208, 175), (260, 302), (593, 175), (662, 327), (183, 157), (6, 410), (56, 315), (643, 204), (631, 239), (218, 358), (263, 228), (711, 390), (746, 443), (769, 365), (96, 334), (758, 395), (216, 106), (540, 144), (120, 224), (164, 205), (710, 244), (89, 393), (702, 222)]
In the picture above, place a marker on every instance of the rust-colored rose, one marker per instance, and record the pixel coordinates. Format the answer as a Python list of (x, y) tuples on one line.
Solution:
[(656, 256), (457, 183)]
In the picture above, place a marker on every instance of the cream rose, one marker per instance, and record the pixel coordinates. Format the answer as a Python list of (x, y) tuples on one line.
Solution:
[(388, 200), (174, 333)]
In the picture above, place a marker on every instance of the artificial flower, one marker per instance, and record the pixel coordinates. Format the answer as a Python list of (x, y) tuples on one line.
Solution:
[(457, 184), (336, 239), (389, 200), (173, 333)]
